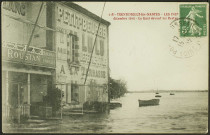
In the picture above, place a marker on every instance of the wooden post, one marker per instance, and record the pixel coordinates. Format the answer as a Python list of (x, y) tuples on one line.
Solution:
[(30, 39), (7, 93), (61, 101), (85, 94), (86, 75), (19, 103), (29, 90)]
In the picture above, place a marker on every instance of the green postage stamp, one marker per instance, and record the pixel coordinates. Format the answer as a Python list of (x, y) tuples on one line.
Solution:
[(193, 20)]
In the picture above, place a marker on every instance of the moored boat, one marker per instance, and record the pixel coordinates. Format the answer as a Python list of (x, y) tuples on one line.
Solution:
[(158, 96), (172, 94), (150, 102)]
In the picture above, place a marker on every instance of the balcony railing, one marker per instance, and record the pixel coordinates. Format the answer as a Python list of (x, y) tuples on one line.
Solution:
[(35, 56), (13, 112)]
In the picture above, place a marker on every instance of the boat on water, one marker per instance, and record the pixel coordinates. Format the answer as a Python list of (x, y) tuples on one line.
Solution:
[(158, 96), (115, 104), (157, 93), (172, 94), (150, 102)]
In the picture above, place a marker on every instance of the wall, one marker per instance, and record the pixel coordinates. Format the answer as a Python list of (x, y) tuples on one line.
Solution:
[(17, 20), (69, 21)]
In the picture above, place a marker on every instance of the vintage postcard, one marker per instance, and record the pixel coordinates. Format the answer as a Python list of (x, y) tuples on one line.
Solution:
[(104, 67)]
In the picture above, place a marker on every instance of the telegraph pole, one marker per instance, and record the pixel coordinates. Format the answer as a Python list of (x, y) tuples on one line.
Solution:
[(94, 46), (29, 42)]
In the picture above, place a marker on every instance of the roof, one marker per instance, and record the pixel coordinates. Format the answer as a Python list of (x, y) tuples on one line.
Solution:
[(86, 12)]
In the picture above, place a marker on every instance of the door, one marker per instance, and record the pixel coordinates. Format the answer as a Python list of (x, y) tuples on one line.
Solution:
[(13, 95)]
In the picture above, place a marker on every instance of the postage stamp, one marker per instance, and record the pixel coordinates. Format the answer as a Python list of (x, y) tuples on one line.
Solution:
[(193, 23), (183, 46)]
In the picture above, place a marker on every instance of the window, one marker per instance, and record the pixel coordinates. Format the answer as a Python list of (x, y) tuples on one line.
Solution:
[(68, 47), (101, 47), (96, 48), (84, 48), (61, 38), (72, 47), (90, 44)]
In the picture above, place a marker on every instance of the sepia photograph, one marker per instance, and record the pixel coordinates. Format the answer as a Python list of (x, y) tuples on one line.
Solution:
[(105, 67)]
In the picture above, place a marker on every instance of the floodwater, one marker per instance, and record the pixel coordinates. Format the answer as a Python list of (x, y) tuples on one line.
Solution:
[(184, 112)]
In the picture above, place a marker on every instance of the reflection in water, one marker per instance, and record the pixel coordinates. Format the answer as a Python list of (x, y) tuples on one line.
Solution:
[(185, 112)]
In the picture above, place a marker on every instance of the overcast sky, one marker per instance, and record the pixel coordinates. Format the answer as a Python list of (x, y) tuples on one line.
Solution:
[(140, 52)]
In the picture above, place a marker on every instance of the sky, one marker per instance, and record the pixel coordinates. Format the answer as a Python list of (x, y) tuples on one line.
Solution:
[(140, 49)]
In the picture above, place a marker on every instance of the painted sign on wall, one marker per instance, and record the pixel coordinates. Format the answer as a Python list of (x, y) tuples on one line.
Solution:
[(73, 19), (15, 7), (96, 73), (46, 59)]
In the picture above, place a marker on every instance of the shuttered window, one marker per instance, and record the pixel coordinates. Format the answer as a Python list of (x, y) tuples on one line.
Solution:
[(84, 47), (72, 47), (69, 47), (90, 44), (97, 48)]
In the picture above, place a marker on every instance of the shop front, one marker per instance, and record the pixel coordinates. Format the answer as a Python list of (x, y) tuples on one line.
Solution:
[(28, 68), (25, 83), (25, 93)]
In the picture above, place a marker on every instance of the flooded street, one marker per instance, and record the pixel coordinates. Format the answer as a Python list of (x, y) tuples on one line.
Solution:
[(62, 62), (184, 112)]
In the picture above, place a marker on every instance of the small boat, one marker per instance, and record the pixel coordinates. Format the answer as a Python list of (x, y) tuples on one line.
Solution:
[(157, 91), (158, 96), (172, 94), (150, 102), (114, 104)]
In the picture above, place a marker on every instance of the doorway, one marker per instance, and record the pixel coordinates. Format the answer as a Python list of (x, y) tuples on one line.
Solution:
[(74, 93)]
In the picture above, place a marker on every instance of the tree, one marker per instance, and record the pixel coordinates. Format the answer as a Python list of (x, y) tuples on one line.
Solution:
[(117, 88), (53, 99)]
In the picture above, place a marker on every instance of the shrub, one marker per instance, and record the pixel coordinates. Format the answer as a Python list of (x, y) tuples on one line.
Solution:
[(117, 88), (53, 99)]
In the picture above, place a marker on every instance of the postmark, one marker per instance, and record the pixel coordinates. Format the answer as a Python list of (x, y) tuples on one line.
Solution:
[(193, 23), (183, 46)]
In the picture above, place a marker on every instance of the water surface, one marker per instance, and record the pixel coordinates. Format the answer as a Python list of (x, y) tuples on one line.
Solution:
[(184, 112)]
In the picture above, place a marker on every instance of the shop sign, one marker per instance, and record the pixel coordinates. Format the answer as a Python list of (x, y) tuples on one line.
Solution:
[(74, 71), (72, 19), (14, 55), (61, 78), (62, 70), (15, 7), (94, 73), (61, 53), (96, 60)]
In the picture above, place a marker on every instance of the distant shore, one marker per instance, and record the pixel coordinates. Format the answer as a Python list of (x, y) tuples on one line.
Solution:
[(166, 91)]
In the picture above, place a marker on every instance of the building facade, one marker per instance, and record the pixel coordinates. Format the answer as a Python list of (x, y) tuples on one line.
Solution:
[(58, 55), (77, 29), (26, 76)]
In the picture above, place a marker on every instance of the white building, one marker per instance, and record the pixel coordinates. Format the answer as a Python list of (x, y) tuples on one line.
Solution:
[(74, 42)]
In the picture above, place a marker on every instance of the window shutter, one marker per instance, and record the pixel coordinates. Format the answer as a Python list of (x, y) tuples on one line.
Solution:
[(89, 44), (76, 46), (84, 48), (76, 54)]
